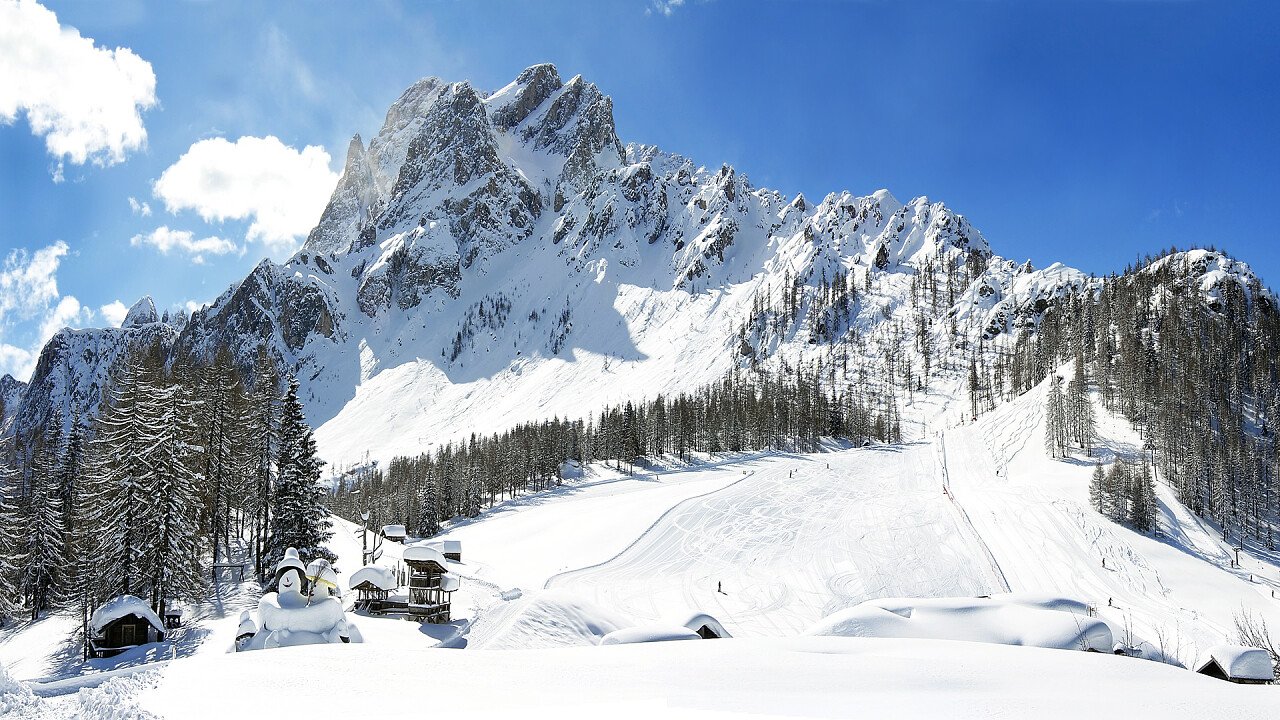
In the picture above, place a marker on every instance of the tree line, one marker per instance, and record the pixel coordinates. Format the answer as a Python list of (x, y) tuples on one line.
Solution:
[(745, 411)]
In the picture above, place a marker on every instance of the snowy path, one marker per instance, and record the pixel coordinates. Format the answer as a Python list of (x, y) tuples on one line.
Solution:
[(796, 541)]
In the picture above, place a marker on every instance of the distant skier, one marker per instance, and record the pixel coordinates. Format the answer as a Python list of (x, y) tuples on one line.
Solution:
[(719, 587)]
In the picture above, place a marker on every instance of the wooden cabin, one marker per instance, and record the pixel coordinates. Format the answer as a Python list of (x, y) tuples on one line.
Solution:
[(430, 584), (451, 549), (122, 624), (395, 533), (1237, 664), (706, 626)]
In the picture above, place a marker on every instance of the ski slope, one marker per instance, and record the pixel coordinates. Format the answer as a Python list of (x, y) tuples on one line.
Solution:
[(797, 539), (1175, 590)]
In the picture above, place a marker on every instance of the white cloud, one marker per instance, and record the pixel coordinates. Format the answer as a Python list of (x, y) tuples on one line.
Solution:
[(281, 189), (85, 101), (67, 313), (164, 240), (28, 282), (663, 7), (114, 313), (192, 306), (29, 294), (139, 208)]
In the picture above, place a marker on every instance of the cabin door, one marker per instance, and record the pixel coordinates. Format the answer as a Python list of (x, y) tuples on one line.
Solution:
[(127, 635)]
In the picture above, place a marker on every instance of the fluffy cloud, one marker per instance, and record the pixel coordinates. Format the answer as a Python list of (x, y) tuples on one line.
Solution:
[(29, 295), (114, 313), (282, 190), (85, 101), (164, 240), (139, 208), (29, 283)]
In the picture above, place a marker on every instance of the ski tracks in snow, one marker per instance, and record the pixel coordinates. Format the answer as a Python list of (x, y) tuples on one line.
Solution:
[(794, 542)]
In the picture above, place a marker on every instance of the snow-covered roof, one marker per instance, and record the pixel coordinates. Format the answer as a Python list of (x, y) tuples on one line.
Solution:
[(1238, 662), (376, 575), (448, 547), (396, 530), (423, 553), (648, 634), (449, 582), (123, 606), (695, 620)]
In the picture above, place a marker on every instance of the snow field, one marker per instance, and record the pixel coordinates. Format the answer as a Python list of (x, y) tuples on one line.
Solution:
[(802, 537), (788, 677)]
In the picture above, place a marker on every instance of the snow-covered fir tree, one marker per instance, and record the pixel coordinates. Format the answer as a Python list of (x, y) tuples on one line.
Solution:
[(299, 517)]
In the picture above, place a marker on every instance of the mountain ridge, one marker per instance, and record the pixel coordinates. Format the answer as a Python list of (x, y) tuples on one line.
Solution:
[(492, 258)]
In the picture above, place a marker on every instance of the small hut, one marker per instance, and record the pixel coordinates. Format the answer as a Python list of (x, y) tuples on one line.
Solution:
[(1237, 664), (451, 549), (172, 615), (707, 627), (372, 584), (122, 624), (430, 584), (395, 533)]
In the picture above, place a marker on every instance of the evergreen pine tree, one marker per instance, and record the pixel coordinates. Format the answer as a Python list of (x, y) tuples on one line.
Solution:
[(1097, 488), (299, 517)]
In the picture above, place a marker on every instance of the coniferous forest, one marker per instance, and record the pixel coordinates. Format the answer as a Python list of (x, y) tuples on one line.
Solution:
[(183, 466)]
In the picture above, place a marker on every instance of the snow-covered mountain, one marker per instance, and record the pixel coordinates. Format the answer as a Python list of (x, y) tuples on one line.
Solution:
[(489, 258)]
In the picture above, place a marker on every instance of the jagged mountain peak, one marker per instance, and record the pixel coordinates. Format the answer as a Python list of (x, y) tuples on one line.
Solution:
[(514, 103), (142, 313)]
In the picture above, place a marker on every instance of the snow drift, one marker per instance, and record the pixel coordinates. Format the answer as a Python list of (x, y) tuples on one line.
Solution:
[(549, 618), (1000, 620)]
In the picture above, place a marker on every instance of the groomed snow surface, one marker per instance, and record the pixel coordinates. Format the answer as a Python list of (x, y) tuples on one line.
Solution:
[(851, 585)]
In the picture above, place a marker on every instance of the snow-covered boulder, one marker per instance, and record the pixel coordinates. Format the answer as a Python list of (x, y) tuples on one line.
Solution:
[(648, 634), (1003, 620), (1237, 663)]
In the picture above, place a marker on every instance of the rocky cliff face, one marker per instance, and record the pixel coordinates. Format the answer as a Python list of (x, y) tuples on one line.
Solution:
[(493, 257)]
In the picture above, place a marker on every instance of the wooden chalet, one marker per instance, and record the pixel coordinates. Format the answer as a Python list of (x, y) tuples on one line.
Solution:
[(394, 533), (122, 624), (430, 584), (1237, 664), (451, 549)]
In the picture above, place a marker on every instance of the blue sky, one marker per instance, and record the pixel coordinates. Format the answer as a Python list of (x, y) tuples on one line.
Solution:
[(1086, 132)]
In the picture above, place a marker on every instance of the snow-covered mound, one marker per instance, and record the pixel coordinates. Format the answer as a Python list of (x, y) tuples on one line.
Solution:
[(549, 618), (648, 634), (1000, 620), (1239, 663), (797, 677), (14, 696)]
